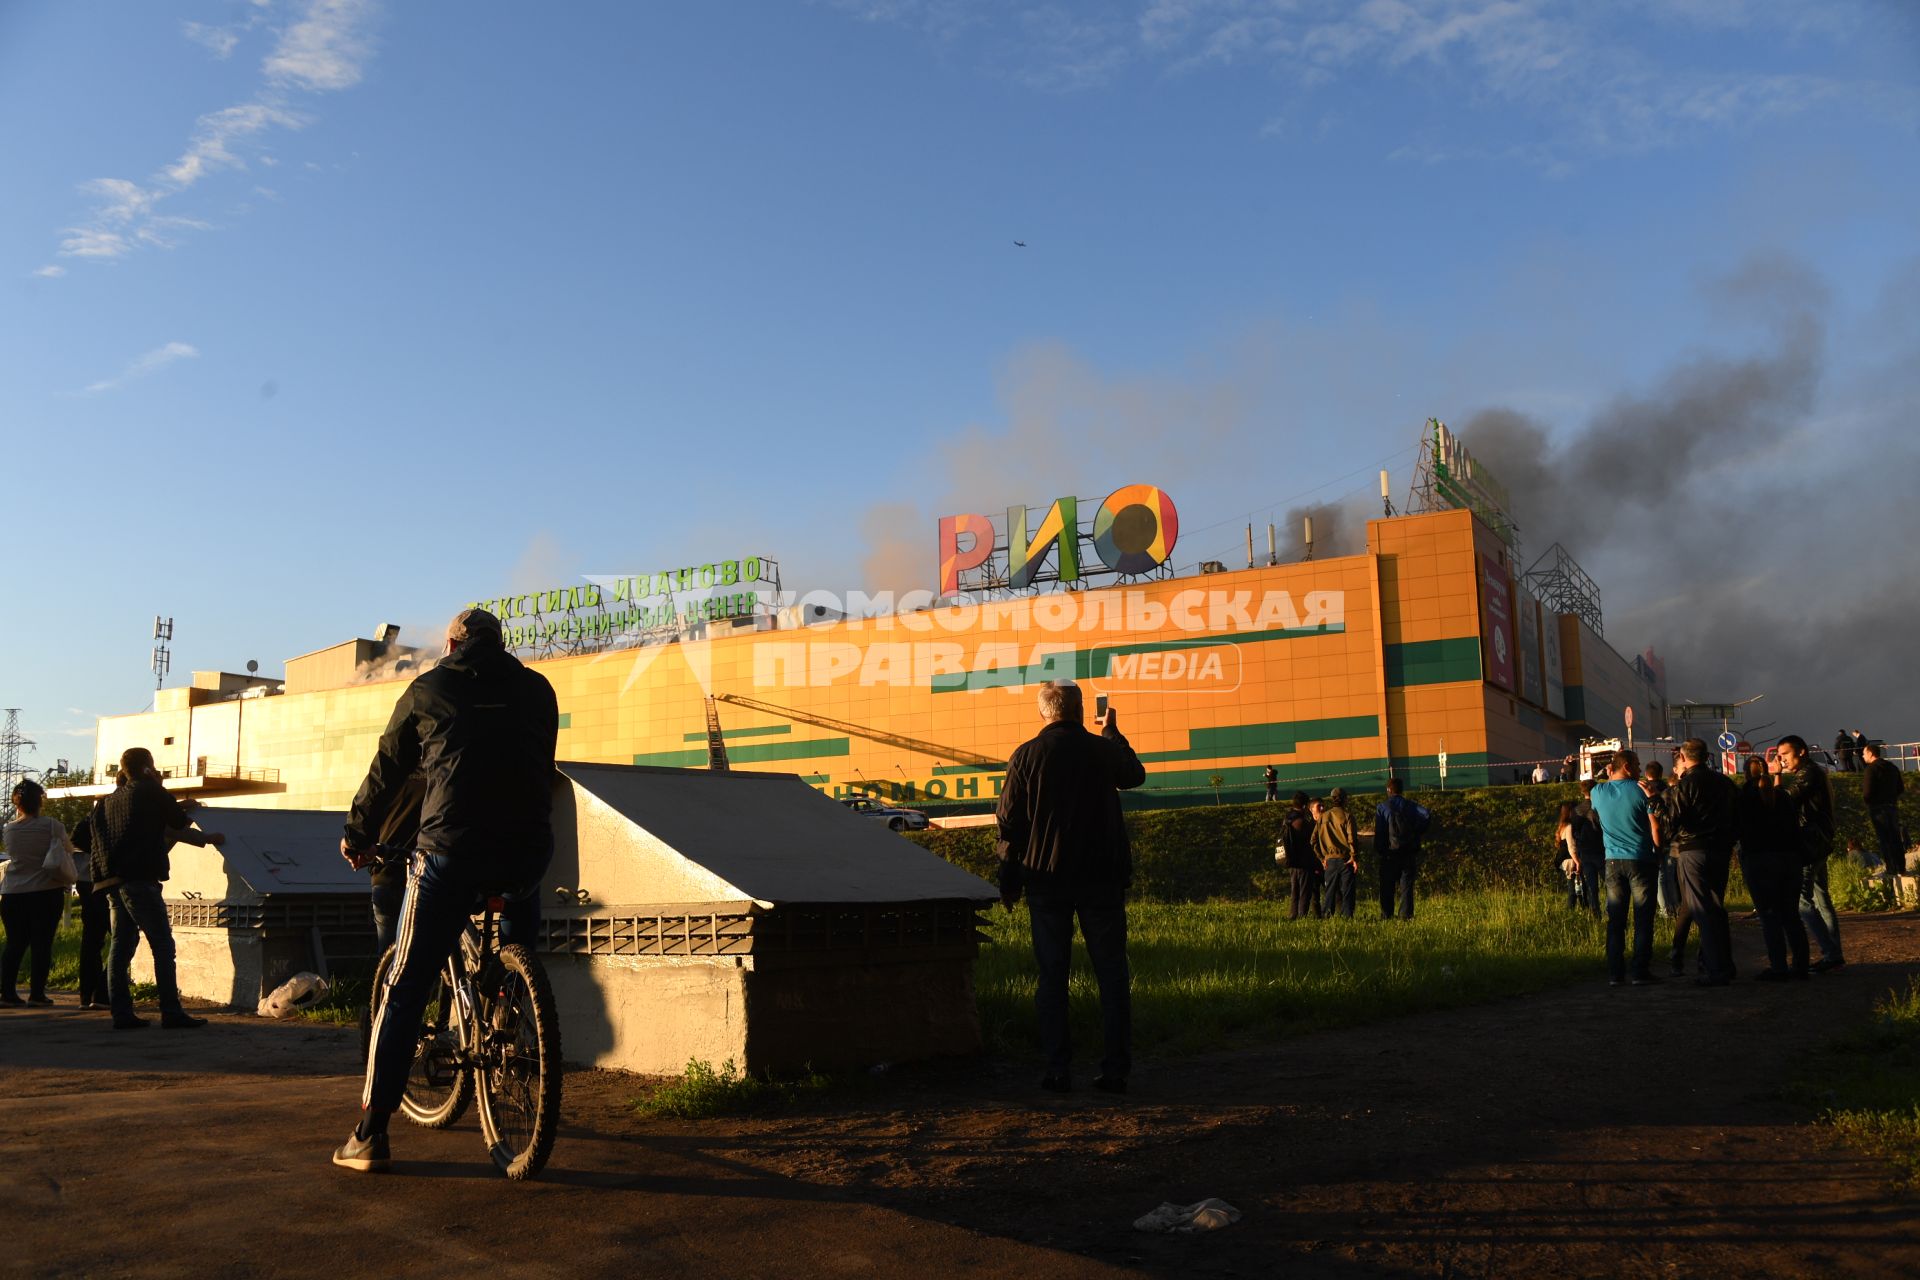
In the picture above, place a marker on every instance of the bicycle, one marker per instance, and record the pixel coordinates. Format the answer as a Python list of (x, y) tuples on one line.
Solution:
[(490, 1032)]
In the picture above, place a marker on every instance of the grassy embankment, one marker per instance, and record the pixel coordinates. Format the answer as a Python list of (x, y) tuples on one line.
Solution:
[(1867, 1085)]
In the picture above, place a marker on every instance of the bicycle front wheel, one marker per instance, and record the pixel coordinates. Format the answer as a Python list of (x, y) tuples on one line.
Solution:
[(439, 1087), (519, 1067)]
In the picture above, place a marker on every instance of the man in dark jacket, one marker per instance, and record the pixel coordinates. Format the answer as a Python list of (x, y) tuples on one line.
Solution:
[(399, 833), (480, 728), (1880, 790), (1699, 810), (1301, 863), (131, 831), (1398, 824), (1843, 748), (1063, 841), (1812, 793)]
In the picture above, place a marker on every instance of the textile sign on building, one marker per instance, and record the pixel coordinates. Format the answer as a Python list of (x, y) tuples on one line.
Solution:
[(1496, 621)]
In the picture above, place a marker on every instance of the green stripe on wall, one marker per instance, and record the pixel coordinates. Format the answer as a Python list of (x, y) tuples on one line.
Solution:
[(749, 755), (1433, 661), (946, 770), (1277, 739), (747, 731), (1088, 664), (566, 719)]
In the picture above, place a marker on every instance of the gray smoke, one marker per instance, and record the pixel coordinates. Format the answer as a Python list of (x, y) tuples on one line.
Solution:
[(1753, 535), (1339, 529)]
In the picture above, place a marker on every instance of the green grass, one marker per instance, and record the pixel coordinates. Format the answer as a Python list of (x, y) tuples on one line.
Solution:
[(704, 1092), (1868, 1084), (1215, 974)]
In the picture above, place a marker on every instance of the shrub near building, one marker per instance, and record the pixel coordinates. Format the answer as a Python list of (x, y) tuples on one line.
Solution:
[(1488, 837)]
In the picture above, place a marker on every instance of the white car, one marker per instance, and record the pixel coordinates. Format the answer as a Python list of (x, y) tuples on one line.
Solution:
[(896, 819)]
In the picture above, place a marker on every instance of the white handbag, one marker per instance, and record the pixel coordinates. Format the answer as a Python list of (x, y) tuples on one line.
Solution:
[(59, 860)]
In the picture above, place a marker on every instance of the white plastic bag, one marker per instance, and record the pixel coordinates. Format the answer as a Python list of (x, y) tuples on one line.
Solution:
[(290, 997)]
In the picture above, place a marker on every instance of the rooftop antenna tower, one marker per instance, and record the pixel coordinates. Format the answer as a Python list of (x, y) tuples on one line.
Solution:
[(10, 743), (162, 655)]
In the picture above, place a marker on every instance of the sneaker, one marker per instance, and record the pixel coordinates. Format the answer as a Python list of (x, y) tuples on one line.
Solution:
[(11, 1001), (1056, 1084), (181, 1021), (41, 1001), (364, 1155), (128, 1022), (1111, 1084), (1616, 982), (1677, 967)]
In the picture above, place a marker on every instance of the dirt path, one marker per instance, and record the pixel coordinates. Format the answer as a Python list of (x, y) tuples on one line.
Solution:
[(1583, 1132)]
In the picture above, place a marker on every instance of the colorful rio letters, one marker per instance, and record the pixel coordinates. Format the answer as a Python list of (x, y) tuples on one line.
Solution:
[(1133, 532)]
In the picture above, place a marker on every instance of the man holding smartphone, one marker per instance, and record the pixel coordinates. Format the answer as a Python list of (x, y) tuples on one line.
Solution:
[(1063, 842)]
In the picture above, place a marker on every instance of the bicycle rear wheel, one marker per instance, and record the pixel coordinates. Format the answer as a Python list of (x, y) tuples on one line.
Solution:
[(439, 1087), (519, 1068)]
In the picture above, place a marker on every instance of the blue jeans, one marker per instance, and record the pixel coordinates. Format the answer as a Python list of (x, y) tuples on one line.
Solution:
[(1816, 909), (139, 908), (440, 898), (1103, 923), (388, 899), (1630, 878), (1669, 886), (1338, 890)]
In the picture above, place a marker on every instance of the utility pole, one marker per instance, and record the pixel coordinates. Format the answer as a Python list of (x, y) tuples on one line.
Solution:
[(10, 743)]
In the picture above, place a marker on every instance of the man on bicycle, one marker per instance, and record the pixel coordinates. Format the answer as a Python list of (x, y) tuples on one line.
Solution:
[(481, 728)]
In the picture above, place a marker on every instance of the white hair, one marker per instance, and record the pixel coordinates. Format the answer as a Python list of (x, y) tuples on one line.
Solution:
[(1061, 700)]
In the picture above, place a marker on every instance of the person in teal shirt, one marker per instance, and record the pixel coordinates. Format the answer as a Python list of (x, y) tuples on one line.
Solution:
[(1629, 827)]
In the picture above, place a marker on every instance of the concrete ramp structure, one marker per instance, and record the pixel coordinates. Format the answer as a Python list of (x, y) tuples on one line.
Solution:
[(686, 915), (277, 900), (745, 916)]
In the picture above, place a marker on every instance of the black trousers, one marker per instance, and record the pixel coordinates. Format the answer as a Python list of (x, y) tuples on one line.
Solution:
[(1337, 896), (1103, 924), (1396, 881), (1886, 827), (1703, 892), (1306, 892), (31, 919), (1774, 879), (96, 929)]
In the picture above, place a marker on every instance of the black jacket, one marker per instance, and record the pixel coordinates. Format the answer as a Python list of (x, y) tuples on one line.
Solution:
[(1699, 808), (400, 832), (481, 728), (1768, 821), (1060, 822), (131, 831), (1882, 783), (1812, 793), (1296, 838)]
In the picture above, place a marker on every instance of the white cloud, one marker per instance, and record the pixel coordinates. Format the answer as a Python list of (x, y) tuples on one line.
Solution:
[(50, 271), (216, 134), (326, 50), (323, 49), (219, 41), (150, 363), (1559, 79)]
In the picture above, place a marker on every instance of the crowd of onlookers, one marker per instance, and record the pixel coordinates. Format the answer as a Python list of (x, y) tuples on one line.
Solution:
[(112, 864), (1643, 838), (1319, 849)]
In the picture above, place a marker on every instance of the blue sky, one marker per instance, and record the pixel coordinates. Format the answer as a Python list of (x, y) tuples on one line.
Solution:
[(320, 314)]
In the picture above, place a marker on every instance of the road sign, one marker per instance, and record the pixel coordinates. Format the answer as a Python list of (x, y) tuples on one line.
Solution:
[(1729, 763), (1629, 717), (1729, 740)]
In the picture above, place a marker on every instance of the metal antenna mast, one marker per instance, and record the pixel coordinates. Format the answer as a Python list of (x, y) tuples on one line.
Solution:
[(162, 655), (10, 744)]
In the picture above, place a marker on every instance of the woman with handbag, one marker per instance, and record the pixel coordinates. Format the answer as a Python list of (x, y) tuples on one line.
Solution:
[(33, 893)]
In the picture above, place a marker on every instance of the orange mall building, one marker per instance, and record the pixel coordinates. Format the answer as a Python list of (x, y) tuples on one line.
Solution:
[(1333, 671)]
